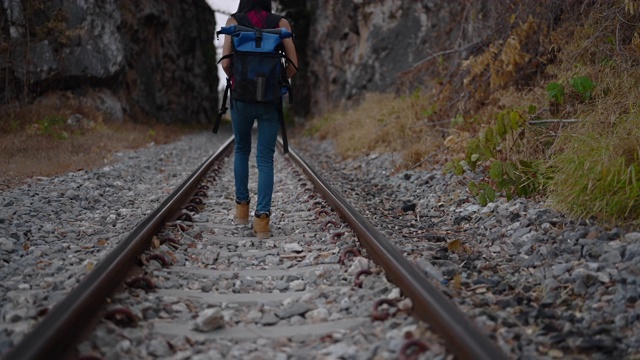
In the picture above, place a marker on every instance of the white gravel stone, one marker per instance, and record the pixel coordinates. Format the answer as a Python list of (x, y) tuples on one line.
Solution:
[(209, 320), (297, 285), (359, 263), (293, 248)]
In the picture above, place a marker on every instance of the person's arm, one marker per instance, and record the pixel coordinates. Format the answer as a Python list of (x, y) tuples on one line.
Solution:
[(226, 50), (289, 50)]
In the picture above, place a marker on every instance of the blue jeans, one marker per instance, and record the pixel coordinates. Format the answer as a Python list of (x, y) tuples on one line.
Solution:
[(242, 117)]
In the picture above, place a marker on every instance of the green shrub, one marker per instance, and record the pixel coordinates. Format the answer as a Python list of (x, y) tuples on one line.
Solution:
[(583, 85), (495, 151), (596, 174), (555, 91)]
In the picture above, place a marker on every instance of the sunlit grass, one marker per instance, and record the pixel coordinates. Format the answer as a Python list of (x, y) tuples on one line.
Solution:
[(597, 173), (382, 123)]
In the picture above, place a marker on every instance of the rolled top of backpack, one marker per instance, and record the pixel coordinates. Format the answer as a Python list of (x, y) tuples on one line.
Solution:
[(237, 29)]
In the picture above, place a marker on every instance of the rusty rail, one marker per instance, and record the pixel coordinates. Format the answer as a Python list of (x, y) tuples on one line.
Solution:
[(65, 324), (464, 339)]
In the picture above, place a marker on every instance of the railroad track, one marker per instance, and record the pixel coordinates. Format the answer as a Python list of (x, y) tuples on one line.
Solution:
[(188, 282)]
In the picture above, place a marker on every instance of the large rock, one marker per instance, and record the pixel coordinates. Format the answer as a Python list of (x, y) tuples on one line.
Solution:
[(358, 46), (155, 57)]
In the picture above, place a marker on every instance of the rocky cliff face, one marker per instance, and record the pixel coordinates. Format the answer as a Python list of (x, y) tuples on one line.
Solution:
[(364, 45), (154, 57), (379, 45), (147, 57)]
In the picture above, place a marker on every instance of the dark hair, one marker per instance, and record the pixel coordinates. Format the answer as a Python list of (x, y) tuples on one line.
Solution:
[(247, 5)]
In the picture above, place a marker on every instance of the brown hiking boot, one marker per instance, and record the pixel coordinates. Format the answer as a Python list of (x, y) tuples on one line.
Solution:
[(261, 226), (242, 213)]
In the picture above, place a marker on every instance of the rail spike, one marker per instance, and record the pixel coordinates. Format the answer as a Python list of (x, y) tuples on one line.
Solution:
[(350, 251), (378, 315), (412, 349), (122, 317)]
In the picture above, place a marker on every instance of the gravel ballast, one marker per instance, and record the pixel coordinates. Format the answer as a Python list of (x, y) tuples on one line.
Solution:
[(542, 285)]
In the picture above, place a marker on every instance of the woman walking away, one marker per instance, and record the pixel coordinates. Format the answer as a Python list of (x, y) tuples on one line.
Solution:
[(257, 14)]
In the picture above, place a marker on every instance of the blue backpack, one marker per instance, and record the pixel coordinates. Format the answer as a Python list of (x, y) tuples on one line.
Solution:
[(258, 63)]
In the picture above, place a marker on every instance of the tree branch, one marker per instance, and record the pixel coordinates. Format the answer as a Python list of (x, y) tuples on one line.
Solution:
[(549, 121)]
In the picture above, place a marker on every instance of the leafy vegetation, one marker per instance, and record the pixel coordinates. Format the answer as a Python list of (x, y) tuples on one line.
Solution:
[(51, 125), (570, 136), (584, 86), (492, 151), (556, 92)]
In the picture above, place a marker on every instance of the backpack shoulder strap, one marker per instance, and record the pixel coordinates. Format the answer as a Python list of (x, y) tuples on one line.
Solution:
[(273, 21), (242, 19)]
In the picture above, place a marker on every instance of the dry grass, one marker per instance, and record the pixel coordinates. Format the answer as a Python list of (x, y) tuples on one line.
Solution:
[(37, 140), (383, 123)]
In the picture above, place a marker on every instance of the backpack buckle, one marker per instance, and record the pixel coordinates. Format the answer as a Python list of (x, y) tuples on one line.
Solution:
[(258, 38)]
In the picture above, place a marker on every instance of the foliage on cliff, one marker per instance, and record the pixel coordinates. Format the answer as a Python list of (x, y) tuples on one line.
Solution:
[(547, 108)]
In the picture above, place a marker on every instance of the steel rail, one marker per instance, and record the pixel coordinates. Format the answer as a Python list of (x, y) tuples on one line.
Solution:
[(463, 338), (64, 325)]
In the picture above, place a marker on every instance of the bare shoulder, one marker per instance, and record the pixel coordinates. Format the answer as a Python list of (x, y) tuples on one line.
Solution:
[(231, 21), (284, 24)]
